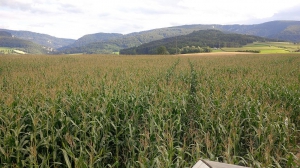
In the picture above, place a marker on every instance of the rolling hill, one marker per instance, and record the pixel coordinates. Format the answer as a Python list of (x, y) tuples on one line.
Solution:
[(5, 34), (41, 39), (7, 40), (107, 43), (93, 38), (114, 44), (198, 39), (279, 30)]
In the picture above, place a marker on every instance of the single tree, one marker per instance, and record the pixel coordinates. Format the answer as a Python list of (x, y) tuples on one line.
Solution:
[(162, 50)]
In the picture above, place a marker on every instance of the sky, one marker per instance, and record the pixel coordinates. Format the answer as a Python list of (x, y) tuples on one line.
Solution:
[(75, 18)]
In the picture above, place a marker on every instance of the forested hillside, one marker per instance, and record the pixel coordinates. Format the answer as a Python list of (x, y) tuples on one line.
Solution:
[(5, 34), (279, 30), (115, 43), (6, 40), (41, 39), (93, 38), (107, 43), (198, 41)]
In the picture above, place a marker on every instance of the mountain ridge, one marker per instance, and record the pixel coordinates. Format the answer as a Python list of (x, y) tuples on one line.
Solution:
[(45, 40), (8, 40), (280, 30), (197, 41), (92, 38), (114, 42)]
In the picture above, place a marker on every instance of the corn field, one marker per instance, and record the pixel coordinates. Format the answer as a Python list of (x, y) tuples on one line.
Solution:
[(149, 111)]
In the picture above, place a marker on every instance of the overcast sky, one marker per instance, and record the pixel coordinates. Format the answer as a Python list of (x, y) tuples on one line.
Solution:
[(75, 18)]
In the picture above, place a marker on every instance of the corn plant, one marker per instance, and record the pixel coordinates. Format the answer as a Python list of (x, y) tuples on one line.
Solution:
[(149, 111)]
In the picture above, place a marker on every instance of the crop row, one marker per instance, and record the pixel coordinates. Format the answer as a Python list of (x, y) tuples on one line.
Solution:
[(112, 111)]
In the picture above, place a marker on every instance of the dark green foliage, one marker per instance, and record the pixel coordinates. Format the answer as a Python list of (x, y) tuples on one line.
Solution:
[(92, 48), (117, 41), (279, 30), (203, 39), (290, 33), (193, 49), (162, 50), (93, 38), (252, 51), (5, 34), (23, 45)]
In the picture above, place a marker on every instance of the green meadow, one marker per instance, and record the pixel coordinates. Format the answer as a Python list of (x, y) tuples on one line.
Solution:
[(267, 47), (149, 111), (7, 50)]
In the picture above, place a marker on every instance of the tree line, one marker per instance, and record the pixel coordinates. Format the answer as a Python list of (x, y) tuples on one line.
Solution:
[(198, 41)]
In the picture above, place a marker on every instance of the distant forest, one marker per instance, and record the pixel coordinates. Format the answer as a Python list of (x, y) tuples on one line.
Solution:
[(196, 42), (7, 40)]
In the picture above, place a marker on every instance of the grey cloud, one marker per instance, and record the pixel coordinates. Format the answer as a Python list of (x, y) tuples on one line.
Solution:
[(162, 7), (22, 6), (15, 4), (9, 16), (34, 7), (103, 15), (289, 14), (40, 25), (153, 11), (169, 2), (150, 11), (70, 8)]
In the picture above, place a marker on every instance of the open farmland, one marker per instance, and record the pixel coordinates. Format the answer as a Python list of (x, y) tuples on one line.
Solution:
[(149, 111), (266, 47), (5, 50)]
